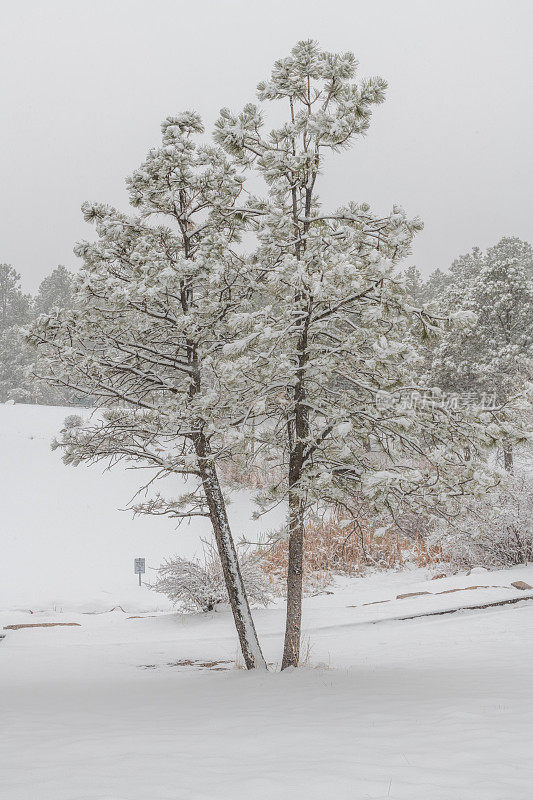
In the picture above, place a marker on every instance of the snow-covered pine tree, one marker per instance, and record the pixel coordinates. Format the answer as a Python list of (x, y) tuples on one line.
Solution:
[(146, 332), (55, 291), (436, 285), (326, 364), (415, 285), (16, 356), (494, 359), (444, 291), (17, 360), (15, 306)]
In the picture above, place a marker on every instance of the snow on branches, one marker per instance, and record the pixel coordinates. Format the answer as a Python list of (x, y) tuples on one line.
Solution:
[(495, 356), (147, 331), (493, 532), (326, 358), (199, 585), (331, 336), (301, 349)]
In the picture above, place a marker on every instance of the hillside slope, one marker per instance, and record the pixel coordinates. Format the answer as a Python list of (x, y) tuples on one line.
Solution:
[(65, 542)]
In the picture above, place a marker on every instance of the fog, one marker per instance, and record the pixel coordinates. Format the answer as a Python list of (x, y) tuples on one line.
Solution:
[(86, 85)]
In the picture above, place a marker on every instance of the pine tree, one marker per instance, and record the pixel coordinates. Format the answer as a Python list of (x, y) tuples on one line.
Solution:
[(17, 382), (324, 359), (436, 285), (17, 357), (55, 291), (15, 306), (415, 286), (16, 360), (491, 362), (146, 334)]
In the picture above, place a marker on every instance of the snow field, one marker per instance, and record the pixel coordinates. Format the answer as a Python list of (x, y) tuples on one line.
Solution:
[(436, 708)]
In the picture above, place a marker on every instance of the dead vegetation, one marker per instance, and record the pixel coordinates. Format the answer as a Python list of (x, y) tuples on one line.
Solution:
[(333, 547)]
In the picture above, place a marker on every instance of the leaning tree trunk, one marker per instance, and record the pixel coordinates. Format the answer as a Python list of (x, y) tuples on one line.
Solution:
[(251, 650), (508, 456)]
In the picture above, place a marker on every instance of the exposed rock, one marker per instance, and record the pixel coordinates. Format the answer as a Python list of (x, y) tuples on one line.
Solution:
[(511, 601), (40, 625), (465, 589), (522, 585), (410, 594), (374, 603)]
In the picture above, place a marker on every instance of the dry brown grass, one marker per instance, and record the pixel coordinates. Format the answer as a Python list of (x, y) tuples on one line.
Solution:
[(331, 549)]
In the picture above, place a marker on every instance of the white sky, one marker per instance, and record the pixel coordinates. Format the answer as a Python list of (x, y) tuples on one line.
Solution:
[(85, 85)]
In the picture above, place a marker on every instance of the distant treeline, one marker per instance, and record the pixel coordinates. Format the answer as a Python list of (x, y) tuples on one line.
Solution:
[(491, 359), (17, 357)]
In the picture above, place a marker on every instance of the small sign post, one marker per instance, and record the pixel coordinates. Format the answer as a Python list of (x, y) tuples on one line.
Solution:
[(139, 567)]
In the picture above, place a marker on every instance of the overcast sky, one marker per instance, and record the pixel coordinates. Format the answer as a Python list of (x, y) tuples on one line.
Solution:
[(85, 85)]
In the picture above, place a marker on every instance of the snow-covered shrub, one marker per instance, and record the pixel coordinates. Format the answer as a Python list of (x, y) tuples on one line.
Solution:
[(199, 585), (73, 421), (495, 532)]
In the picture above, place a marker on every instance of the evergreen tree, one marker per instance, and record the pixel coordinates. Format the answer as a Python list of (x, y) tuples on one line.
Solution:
[(15, 306), (146, 332), (436, 285), (17, 357), (17, 365), (492, 360), (415, 286), (16, 360), (465, 268), (325, 360), (55, 291)]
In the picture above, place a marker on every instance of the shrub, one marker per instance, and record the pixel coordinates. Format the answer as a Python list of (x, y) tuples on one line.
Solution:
[(495, 532), (199, 585)]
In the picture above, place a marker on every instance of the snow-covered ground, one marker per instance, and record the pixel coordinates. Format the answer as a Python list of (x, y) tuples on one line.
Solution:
[(135, 704), (435, 708), (65, 541)]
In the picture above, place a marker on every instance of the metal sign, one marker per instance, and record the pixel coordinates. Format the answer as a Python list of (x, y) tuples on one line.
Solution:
[(139, 567)]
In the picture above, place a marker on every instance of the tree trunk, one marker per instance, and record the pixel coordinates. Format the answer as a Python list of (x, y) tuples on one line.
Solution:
[(293, 625), (298, 441), (297, 444), (251, 650), (508, 456)]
